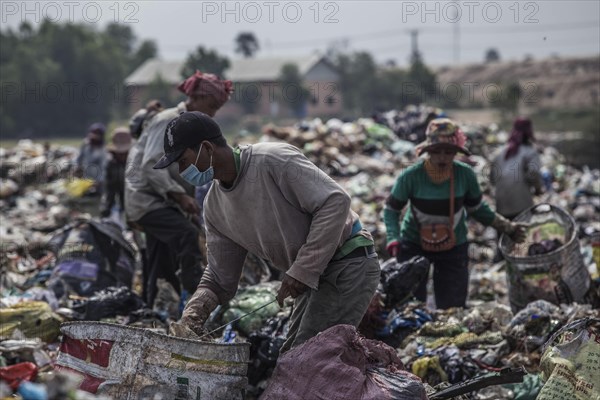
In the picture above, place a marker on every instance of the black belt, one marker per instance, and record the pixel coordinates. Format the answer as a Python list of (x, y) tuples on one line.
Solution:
[(364, 251)]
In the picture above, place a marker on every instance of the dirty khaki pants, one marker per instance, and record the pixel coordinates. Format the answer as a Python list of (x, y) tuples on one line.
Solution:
[(345, 291)]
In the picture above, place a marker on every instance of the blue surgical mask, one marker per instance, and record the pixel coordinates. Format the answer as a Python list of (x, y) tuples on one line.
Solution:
[(194, 177)]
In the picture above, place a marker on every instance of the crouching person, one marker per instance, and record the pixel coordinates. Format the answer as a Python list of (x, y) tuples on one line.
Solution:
[(269, 199)]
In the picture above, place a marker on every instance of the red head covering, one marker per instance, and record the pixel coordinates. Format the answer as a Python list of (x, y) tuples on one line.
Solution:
[(201, 84), (522, 133)]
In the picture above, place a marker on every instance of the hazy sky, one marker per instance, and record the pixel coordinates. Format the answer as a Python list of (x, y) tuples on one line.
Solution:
[(283, 28)]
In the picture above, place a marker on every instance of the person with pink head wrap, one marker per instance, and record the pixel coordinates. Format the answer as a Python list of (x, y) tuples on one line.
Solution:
[(160, 202), (206, 93), (515, 171)]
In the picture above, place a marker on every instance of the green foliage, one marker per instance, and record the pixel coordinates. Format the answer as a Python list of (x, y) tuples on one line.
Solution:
[(358, 81), (208, 61), (366, 87), (161, 90), (294, 94), (145, 51), (492, 55), (58, 79), (511, 94), (246, 44), (248, 96), (391, 93), (421, 77)]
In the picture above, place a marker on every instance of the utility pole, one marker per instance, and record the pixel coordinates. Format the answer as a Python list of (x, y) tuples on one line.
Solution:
[(414, 54), (457, 35)]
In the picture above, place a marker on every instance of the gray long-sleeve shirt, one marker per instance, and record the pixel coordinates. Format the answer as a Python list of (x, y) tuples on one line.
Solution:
[(282, 208), (92, 161), (514, 178), (146, 189)]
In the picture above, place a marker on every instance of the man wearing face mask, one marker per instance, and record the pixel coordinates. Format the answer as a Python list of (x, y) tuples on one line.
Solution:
[(157, 200), (269, 199)]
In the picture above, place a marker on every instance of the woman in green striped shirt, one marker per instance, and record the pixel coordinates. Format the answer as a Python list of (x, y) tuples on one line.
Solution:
[(425, 188)]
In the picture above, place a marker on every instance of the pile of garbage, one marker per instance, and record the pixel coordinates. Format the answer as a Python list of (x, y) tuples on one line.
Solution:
[(411, 122), (362, 156), (365, 156), (60, 265)]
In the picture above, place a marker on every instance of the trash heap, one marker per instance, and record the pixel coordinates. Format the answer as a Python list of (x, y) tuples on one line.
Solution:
[(57, 265), (411, 122), (456, 345), (365, 157), (42, 223), (362, 156)]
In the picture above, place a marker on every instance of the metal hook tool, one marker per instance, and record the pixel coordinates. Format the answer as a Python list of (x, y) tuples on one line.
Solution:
[(237, 319)]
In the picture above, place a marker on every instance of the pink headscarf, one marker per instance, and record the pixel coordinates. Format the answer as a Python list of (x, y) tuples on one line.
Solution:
[(201, 84), (522, 133)]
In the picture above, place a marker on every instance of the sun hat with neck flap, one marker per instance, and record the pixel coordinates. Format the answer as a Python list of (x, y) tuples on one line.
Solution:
[(443, 133)]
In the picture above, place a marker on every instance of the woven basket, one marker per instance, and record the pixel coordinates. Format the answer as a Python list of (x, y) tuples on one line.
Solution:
[(559, 276)]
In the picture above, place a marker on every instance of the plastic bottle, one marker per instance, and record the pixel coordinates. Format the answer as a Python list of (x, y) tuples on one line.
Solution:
[(32, 391), (228, 334)]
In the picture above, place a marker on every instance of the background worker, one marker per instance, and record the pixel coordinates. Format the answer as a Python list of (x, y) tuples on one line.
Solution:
[(160, 201)]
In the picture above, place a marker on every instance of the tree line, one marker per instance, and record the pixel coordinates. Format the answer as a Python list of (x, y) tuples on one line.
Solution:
[(59, 78)]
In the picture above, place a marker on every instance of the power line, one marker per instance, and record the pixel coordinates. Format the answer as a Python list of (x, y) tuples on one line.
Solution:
[(528, 41), (439, 30), (425, 30)]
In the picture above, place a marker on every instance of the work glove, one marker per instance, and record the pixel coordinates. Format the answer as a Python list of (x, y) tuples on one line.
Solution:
[(516, 231), (195, 314), (393, 248), (190, 277)]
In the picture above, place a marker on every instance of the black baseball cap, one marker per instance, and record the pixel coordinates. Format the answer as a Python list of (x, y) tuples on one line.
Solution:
[(185, 131)]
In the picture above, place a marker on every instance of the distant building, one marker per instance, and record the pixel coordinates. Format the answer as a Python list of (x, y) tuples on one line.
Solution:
[(140, 83), (257, 84)]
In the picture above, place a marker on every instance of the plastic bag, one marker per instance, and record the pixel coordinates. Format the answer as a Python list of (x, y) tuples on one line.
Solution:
[(439, 328), (571, 362), (28, 390), (528, 389), (543, 247), (338, 364), (400, 280), (429, 370), (536, 309), (91, 256), (16, 351), (34, 319), (110, 302), (249, 299), (15, 374), (78, 187), (264, 348)]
